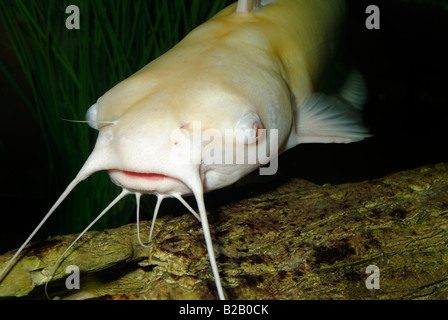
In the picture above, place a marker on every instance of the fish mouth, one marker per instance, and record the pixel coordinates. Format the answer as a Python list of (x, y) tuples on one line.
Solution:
[(148, 182), (148, 176)]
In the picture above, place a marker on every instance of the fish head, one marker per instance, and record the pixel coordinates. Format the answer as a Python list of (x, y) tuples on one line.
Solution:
[(161, 141)]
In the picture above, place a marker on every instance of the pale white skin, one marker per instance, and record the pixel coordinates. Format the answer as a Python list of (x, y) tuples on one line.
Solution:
[(235, 64), (253, 66)]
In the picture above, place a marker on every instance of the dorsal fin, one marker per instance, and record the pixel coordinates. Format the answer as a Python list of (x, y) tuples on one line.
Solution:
[(248, 5)]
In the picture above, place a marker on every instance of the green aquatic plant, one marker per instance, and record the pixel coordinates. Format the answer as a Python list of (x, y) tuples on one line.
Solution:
[(68, 69)]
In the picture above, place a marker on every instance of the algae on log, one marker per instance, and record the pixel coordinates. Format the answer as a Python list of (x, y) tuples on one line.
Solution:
[(297, 241)]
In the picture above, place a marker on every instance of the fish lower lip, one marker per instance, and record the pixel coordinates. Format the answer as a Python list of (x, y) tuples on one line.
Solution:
[(151, 176)]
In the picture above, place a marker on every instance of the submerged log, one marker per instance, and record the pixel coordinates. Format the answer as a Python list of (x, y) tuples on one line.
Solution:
[(297, 241)]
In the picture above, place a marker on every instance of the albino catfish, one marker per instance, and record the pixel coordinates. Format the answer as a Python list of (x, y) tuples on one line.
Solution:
[(251, 74)]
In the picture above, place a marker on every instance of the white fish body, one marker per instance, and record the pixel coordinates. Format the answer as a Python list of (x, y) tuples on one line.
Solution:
[(255, 65), (263, 64)]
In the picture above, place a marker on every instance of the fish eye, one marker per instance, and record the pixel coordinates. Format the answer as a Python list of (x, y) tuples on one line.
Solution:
[(247, 128), (91, 116)]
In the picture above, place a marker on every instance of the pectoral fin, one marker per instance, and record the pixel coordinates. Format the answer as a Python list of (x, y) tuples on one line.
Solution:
[(327, 119)]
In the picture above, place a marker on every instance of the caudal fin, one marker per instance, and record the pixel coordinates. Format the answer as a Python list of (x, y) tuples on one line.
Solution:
[(354, 89)]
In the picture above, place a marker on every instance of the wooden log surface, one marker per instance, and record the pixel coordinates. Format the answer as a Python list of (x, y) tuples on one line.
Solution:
[(297, 241)]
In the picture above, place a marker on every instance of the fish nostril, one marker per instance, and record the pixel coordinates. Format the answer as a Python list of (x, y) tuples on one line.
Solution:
[(180, 135), (184, 125)]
